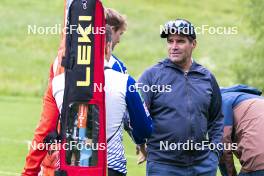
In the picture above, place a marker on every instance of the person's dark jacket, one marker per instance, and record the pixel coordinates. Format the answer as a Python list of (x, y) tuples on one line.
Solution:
[(184, 107)]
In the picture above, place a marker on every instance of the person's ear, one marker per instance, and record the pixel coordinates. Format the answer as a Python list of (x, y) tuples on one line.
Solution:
[(108, 48), (194, 42), (113, 29)]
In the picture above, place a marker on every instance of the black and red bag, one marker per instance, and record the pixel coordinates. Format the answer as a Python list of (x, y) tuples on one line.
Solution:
[(82, 121)]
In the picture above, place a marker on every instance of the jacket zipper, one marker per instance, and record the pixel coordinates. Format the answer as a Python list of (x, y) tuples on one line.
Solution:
[(189, 108)]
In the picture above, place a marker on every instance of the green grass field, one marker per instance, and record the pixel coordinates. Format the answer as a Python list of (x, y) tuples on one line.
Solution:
[(19, 117), (25, 58)]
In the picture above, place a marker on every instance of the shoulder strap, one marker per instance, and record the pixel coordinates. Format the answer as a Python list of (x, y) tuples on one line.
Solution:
[(106, 67)]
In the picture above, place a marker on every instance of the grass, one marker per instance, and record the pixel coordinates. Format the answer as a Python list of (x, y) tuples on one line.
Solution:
[(19, 117), (25, 58)]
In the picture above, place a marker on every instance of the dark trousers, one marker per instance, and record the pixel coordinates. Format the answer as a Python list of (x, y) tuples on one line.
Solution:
[(207, 167), (112, 172)]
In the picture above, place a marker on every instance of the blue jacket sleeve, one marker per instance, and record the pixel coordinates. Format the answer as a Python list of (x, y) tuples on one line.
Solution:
[(216, 120), (140, 119), (227, 108)]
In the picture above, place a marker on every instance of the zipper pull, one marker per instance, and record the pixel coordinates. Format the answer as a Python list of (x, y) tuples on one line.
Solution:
[(185, 74), (84, 3)]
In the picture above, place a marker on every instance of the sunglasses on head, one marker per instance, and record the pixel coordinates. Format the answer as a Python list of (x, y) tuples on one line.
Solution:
[(179, 26)]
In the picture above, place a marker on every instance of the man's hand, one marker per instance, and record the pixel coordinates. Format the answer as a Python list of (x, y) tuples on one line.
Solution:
[(142, 153)]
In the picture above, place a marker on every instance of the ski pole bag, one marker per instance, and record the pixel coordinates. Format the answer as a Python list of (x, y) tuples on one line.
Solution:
[(83, 147)]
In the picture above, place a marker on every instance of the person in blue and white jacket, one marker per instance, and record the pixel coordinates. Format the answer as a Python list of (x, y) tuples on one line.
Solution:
[(118, 25), (121, 96)]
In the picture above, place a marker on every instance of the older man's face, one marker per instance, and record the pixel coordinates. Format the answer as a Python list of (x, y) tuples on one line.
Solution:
[(180, 48)]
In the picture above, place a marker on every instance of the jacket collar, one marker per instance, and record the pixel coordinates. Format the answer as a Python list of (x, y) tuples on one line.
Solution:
[(195, 67)]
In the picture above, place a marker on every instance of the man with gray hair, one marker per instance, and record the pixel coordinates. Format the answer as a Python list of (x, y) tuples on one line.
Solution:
[(186, 117)]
